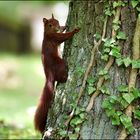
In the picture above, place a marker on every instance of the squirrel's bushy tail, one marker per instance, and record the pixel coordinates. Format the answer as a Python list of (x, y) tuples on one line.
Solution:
[(43, 106)]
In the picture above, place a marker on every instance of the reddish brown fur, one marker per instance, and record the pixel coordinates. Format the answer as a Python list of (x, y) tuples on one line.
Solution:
[(54, 67)]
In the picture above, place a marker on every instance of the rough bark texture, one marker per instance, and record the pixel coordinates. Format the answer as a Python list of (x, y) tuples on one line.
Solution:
[(89, 16)]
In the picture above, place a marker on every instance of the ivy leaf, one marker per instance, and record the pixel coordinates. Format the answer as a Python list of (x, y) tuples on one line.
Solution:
[(113, 99), (98, 36), (107, 76), (82, 115), (138, 9), (131, 130), (136, 64), (119, 3), (122, 88), (77, 129), (91, 89), (91, 81), (108, 12), (106, 104), (128, 97), (119, 113), (124, 103), (110, 112), (108, 42), (104, 57), (137, 114), (75, 121), (115, 52), (116, 27), (73, 136), (127, 122), (103, 72), (136, 93), (121, 35), (119, 61), (134, 3), (63, 133), (80, 71), (116, 120), (105, 90), (127, 61), (107, 50), (117, 22)]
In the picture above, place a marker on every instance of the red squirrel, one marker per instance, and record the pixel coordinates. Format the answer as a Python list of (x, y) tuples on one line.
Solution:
[(55, 68)]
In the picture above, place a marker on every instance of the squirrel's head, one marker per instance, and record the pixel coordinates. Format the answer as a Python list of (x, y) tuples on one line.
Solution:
[(51, 25)]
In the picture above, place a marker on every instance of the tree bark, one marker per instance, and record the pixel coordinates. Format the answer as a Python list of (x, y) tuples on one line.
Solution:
[(90, 16)]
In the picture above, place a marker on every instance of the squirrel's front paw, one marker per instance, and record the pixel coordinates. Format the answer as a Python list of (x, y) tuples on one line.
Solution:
[(76, 30)]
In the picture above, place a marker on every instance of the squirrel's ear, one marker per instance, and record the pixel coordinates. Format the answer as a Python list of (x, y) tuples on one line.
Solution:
[(52, 16), (45, 20)]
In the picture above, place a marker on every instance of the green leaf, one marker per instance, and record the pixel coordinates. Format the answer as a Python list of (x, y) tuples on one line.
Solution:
[(108, 42), (116, 27), (91, 81), (113, 99), (128, 97), (82, 109), (106, 104), (127, 61), (73, 136), (63, 132), (98, 36), (119, 61), (107, 50), (103, 72), (82, 115), (115, 52), (124, 103), (91, 90), (138, 9), (105, 90), (77, 129), (119, 113), (131, 130), (104, 57), (79, 110), (137, 114), (80, 70), (136, 93), (122, 88), (117, 4), (117, 22), (110, 112), (75, 121), (121, 35), (115, 120), (108, 12), (134, 3), (136, 64), (127, 122), (107, 76)]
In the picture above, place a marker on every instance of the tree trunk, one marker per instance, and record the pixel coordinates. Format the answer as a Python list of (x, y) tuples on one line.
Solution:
[(90, 17)]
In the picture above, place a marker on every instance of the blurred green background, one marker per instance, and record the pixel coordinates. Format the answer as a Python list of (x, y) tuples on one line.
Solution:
[(21, 73)]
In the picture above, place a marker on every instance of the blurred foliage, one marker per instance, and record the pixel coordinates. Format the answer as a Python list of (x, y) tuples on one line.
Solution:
[(8, 131), (10, 11), (21, 83)]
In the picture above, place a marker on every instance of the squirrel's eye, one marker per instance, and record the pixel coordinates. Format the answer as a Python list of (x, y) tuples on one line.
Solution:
[(50, 25)]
